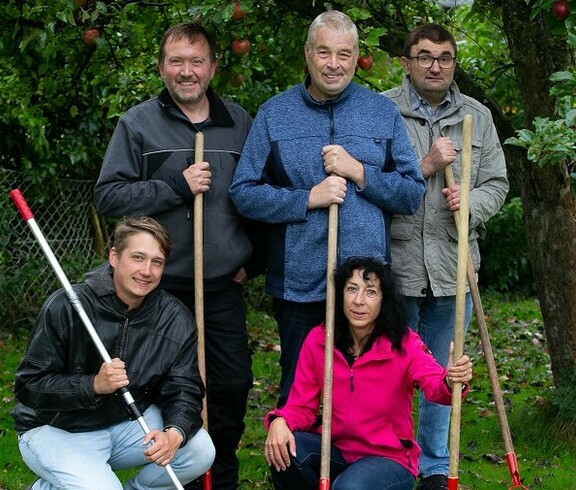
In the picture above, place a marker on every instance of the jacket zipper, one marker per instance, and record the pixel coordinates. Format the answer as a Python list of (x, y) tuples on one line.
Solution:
[(331, 113), (123, 339)]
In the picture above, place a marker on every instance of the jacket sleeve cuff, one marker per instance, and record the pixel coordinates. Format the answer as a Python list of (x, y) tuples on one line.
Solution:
[(465, 386), (184, 438), (178, 184)]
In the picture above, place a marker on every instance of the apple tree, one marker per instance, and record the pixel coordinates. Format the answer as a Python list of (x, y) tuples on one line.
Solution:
[(70, 68)]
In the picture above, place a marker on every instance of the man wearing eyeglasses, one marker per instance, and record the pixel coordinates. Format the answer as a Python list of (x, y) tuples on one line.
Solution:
[(424, 245)]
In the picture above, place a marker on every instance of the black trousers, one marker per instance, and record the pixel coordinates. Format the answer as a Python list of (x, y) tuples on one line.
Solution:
[(295, 320), (228, 376)]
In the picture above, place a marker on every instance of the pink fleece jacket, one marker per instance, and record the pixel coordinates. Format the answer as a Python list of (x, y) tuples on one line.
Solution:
[(371, 401)]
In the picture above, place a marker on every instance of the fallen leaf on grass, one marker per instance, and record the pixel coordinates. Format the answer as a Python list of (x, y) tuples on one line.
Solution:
[(493, 458)]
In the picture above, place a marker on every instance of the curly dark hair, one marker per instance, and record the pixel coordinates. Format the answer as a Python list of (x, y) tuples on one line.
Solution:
[(392, 321)]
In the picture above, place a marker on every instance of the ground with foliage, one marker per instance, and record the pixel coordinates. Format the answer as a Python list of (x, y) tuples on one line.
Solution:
[(544, 444)]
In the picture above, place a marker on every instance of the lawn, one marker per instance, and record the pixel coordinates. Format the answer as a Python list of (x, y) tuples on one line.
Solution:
[(544, 445)]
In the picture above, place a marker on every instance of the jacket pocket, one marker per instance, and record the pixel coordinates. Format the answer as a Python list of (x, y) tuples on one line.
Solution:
[(401, 227)]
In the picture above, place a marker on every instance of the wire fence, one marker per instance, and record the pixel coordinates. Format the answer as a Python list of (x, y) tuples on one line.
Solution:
[(65, 212)]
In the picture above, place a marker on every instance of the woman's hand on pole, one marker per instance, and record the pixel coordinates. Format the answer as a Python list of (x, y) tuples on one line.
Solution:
[(459, 371)]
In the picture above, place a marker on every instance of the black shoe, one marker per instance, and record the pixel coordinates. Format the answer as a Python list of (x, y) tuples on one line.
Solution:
[(433, 482), (193, 485)]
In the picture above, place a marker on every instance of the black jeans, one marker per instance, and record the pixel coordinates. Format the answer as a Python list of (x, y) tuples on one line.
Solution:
[(295, 320), (228, 376)]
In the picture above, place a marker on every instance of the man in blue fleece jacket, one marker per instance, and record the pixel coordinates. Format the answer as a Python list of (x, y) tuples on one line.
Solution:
[(322, 142)]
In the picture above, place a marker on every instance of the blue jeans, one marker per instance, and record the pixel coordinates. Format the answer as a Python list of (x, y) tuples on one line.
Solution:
[(87, 460), (368, 473), (433, 318)]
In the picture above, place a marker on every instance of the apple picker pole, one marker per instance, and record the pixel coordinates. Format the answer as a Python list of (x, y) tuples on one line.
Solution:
[(455, 415), (28, 217), (324, 483), (199, 291), (489, 357)]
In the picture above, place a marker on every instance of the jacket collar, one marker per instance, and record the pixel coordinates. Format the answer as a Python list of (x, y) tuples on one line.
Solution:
[(346, 93), (406, 99), (219, 115), (99, 280), (381, 349)]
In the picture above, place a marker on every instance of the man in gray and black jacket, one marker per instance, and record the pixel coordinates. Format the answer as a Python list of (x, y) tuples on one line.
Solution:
[(149, 169)]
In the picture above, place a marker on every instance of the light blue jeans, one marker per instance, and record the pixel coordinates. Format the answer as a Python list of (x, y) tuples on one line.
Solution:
[(433, 318), (87, 460)]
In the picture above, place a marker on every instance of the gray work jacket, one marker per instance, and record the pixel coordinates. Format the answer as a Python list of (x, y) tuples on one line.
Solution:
[(424, 245)]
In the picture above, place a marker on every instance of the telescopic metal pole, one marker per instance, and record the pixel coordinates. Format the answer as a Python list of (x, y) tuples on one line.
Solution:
[(28, 217)]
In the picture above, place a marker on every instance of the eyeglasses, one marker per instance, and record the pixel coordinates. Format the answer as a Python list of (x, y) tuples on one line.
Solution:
[(445, 61)]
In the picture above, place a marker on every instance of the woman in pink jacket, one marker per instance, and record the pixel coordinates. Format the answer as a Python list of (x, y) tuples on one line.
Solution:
[(378, 361)]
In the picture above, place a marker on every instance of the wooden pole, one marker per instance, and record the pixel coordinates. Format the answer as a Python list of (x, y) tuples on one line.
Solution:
[(489, 357), (199, 292), (324, 483), (455, 415)]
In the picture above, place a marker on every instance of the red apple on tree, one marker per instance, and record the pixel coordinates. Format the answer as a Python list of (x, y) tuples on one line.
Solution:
[(237, 12), (365, 62), (240, 46), (560, 9), (237, 79), (91, 35), (79, 3)]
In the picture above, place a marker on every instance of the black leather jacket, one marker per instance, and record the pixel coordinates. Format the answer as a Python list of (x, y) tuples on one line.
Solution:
[(157, 342)]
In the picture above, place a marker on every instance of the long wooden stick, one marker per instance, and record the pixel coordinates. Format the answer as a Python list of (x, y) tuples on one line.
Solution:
[(324, 483), (489, 356), (199, 292), (455, 415)]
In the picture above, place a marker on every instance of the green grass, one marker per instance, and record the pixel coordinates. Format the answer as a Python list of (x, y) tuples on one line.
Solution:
[(545, 445)]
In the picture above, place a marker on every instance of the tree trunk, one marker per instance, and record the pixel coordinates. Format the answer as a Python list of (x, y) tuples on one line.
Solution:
[(546, 192)]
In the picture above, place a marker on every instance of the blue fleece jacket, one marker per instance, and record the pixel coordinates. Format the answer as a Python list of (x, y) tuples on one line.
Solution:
[(282, 160)]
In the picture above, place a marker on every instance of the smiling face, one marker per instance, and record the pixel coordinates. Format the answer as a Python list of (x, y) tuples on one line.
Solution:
[(331, 59), (430, 83), (187, 70), (362, 303), (137, 269)]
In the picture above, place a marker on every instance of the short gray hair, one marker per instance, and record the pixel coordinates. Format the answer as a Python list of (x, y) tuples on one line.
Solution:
[(335, 20)]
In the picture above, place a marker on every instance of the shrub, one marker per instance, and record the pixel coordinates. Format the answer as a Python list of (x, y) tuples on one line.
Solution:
[(505, 264)]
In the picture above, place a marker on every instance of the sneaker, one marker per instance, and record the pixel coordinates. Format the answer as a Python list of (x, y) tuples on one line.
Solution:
[(433, 482)]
